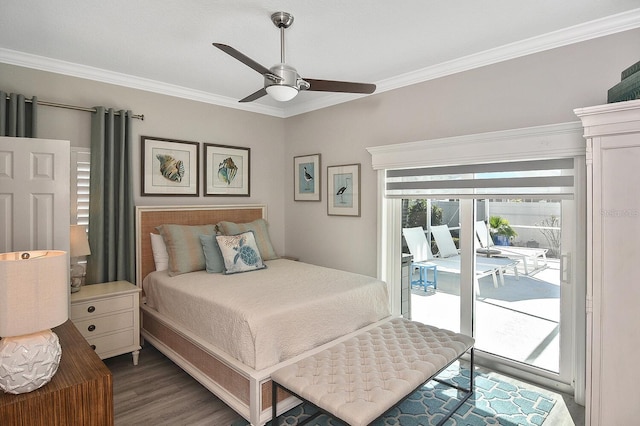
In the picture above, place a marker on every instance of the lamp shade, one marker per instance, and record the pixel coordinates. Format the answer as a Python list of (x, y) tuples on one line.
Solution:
[(34, 291), (78, 241)]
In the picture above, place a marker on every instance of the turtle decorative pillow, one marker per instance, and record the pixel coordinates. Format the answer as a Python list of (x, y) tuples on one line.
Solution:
[(240, 252)]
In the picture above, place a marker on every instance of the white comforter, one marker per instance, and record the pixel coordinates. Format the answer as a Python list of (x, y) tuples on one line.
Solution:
[(267, 316)]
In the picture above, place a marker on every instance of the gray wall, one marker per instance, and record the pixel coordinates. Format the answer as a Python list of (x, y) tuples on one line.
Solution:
[(166, 117), (535, 90)]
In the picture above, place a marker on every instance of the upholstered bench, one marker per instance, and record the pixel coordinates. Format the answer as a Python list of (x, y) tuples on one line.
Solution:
[(360, 379)]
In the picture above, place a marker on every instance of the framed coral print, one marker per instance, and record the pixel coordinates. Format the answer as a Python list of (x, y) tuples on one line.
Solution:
[(169, 167), (227, 171), (343, 190), (306, 178)]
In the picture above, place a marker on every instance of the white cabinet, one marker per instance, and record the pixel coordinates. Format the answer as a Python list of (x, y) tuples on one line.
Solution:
[(613, 262), (108, 316)]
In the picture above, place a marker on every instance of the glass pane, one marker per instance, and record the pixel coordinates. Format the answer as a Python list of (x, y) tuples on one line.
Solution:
[(435, 280), (519, 316), (517, 300)]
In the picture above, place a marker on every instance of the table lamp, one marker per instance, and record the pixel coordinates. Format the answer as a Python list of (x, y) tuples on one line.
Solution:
[(79, 246), (34, 297)]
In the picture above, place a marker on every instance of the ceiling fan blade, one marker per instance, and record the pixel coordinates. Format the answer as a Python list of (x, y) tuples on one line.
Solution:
[(339, 86), (242, 58), (255, 95)]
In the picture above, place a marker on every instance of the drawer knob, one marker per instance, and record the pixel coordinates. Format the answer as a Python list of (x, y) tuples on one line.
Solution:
[(91, 309), (93, 347), (91, 327)]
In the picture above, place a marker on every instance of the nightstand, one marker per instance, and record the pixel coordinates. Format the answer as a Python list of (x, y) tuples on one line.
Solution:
[(80, 393), (108, 316)]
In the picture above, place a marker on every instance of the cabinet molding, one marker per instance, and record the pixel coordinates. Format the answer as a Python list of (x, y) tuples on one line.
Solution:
[(613, 224)]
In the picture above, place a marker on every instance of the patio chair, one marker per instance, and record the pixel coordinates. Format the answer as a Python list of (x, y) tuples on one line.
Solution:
[(420, 249), (526, 254), (484, 265)]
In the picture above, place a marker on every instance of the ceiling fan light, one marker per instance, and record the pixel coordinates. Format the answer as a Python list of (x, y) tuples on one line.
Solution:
[(282, 93)]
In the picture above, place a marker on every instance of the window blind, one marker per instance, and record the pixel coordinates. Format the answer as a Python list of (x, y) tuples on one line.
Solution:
[(552, 178), (80, 172)]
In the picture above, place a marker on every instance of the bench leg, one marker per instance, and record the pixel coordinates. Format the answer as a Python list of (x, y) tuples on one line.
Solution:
[(274, 403), (467, 392)]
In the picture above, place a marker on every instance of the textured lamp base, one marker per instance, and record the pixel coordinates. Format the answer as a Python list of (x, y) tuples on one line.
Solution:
[(28, 362)]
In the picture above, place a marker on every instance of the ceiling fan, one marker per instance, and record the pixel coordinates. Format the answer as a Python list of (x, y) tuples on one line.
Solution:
[(282, 81)]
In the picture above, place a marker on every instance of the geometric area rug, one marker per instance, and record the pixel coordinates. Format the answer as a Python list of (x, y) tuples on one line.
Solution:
[(494, 402)]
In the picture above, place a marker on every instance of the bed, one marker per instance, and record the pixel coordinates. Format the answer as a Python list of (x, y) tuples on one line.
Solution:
[(275, 316)]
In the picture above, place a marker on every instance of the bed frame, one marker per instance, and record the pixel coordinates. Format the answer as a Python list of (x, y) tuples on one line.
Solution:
[(244, 389)]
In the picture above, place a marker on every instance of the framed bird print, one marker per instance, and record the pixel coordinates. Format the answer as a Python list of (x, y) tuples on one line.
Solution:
[(343, 190), (227, 171), (169, 167), (306, 178)]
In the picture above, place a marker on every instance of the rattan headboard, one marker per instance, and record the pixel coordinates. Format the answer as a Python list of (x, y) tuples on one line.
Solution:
[(149, 217)]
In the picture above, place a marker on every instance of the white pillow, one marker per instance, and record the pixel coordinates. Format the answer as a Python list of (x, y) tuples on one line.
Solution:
[(160, 254)]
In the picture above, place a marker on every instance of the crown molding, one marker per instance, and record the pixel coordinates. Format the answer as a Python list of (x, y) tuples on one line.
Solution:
[(43, 63), (564, 37), (590, 30)]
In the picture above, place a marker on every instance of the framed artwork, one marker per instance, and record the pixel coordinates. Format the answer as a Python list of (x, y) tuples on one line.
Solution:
[(343, 190), (306, 178), (227, 171), (169, 167)]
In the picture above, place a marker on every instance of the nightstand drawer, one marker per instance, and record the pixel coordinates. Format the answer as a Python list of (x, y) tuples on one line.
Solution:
[(113, 343), (99, 307), (108, 317), (105, 324)]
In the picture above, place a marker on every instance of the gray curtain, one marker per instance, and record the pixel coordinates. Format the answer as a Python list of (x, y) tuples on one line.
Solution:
[(111, 208), (18, 118)]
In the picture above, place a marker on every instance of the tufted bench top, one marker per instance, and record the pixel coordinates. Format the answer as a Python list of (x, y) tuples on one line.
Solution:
[(360, 379)]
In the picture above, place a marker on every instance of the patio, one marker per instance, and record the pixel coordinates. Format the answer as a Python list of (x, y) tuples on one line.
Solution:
[(519, 320)]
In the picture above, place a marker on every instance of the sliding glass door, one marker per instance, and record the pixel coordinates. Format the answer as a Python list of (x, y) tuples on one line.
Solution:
[(521, 306), (540, 170), (501, 239)]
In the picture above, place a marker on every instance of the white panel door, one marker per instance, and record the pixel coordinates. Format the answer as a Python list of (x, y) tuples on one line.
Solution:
[(34, 194)]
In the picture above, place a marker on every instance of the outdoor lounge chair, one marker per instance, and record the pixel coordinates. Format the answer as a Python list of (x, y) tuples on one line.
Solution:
[(527, 255), (420, 249), (447, 250)]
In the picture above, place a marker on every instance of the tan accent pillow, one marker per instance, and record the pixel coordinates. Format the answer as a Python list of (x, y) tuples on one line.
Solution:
[(184, 246), (260, 231)]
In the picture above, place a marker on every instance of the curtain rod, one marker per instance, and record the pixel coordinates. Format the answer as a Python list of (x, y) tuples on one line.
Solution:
[(77, 108)]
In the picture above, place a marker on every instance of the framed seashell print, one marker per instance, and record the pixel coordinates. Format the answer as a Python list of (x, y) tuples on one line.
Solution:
[(227, 171), (169, 167)]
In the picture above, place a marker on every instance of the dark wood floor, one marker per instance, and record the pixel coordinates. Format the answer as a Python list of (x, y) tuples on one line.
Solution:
[(157, 392)]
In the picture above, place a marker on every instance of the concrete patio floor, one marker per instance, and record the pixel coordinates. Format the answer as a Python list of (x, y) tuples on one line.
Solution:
[(518, 320)]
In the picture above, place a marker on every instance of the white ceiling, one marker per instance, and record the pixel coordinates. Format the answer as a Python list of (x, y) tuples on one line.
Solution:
[(165, 45)]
